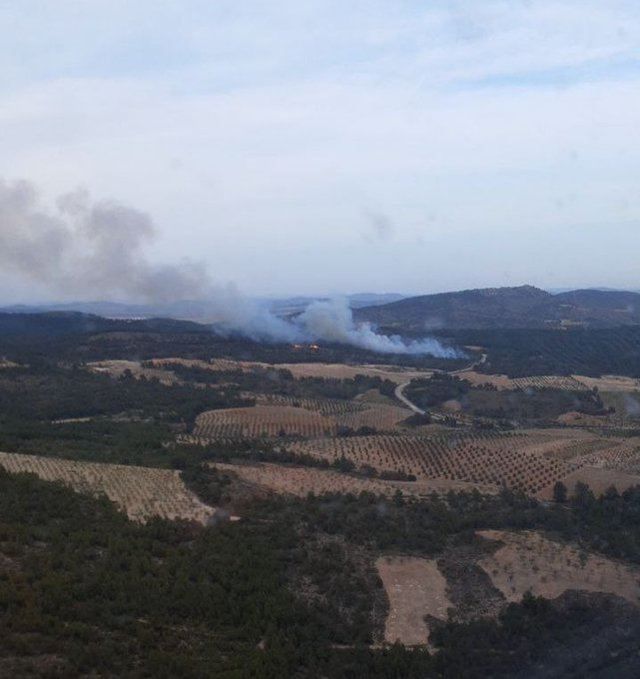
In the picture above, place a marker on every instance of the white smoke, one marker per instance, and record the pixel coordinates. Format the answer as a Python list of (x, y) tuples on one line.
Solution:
[(86, 248), (332, 321)]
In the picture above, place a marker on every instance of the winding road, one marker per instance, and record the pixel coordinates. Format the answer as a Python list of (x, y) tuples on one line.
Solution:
[(399, 391), (401, 397)]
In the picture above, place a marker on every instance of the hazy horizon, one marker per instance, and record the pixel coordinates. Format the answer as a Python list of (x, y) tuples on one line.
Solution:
[(312, 148)]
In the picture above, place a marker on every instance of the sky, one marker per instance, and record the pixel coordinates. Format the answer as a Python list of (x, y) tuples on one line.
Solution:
[(302, 147)]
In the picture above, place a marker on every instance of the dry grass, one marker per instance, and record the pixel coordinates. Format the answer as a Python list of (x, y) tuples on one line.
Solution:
[(300, 481), (415, 588), (140, 491), (528, 561)]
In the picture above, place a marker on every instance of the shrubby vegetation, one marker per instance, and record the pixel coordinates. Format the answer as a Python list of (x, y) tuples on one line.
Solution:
[(282, 383), (486, 401), (53, 393), (520, 353), (82, 585)]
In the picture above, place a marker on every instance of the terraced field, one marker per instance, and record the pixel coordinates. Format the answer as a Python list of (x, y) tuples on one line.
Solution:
[(139, 491)]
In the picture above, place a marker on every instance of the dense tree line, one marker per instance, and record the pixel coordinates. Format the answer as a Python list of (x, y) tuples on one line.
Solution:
[(288, 591), (282, 382), (485, 401), (53, 393), (583, 351)]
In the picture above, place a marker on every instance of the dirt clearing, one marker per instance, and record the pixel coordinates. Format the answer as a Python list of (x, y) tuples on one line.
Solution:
[(415, 588), (528, 561)]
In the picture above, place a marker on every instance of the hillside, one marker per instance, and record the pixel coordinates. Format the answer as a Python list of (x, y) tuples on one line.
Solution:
[(518, 307)]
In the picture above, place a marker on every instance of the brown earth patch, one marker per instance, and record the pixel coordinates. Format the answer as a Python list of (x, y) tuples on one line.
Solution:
[(528, 561), (416, 588)]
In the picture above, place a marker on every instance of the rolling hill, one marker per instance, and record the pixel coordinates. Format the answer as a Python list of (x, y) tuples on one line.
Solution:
[(517, 307)]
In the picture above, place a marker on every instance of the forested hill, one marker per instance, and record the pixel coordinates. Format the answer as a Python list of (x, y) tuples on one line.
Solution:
[(68, 323), (519, 307)]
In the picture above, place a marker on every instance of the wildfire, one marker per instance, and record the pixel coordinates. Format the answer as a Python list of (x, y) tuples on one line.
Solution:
[(305, 347)]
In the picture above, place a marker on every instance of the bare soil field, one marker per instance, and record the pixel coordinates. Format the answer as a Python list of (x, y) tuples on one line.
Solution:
[(528, 561), (262, 421), (139, 491), (300, 481), (415, 588)]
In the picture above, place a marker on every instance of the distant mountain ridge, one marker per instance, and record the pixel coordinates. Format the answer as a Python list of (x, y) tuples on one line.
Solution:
[(193, 310), (510, 307)]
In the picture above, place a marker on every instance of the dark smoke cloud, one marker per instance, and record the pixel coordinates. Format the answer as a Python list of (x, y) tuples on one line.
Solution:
[(97, 248), (83, 247)]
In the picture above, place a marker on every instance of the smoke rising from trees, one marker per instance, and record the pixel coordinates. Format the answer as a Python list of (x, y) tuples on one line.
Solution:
[(82, 248)]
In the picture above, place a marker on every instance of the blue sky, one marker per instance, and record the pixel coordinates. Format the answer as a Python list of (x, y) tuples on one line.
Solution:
[(315, 147)]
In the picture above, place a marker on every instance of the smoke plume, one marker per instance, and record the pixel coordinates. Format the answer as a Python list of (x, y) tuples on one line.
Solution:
[(333, 322), (84, 248)]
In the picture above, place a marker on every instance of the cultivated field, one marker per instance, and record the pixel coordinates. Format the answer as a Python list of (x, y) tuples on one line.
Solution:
[(338, 371), (139, 491), (300, 481), (528, 561), (377, 416), (262, 422), (610, 383), (341, 371), (415, 588), (287, 416), (502, 382), (486, 461), (324, 406)]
